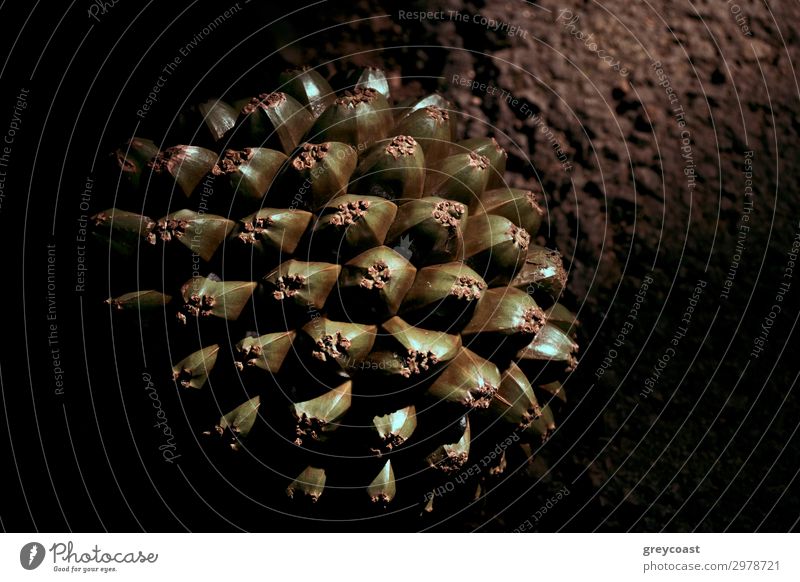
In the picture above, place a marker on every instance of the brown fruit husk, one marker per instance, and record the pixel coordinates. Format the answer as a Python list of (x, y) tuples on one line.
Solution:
[(179, 170), (443, 296), (235, 426), (351, 224), (244, 176), (375, 282), (315, 419), (470, 381), (358, 118), (269, 234), (297, 290), (495, 247), (206, 123), (497, 156), (392, 168), (519, 206), (310, 484), (267, 352), (542, 270), (205, 298), (316, 174), (194, 369), (336, 345), (460, 177), (432, 127), (130, 163), (429, 231), (505, 320)]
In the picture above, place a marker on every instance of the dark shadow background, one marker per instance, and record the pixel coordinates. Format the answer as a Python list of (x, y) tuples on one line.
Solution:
[(712, 448)]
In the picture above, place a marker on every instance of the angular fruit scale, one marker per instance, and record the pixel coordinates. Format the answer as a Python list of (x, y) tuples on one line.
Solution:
[(383, 302)]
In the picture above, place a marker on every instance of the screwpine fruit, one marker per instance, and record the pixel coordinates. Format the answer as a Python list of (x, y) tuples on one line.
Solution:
[(353, 297)]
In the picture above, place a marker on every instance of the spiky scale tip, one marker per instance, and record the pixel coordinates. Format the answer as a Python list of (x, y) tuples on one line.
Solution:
[(309, 88), (431, 126), (182, 167), (131, 161), (316, 174), (310, 483), (358, 117), (193, 370), (392, 168), (316, 418)]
